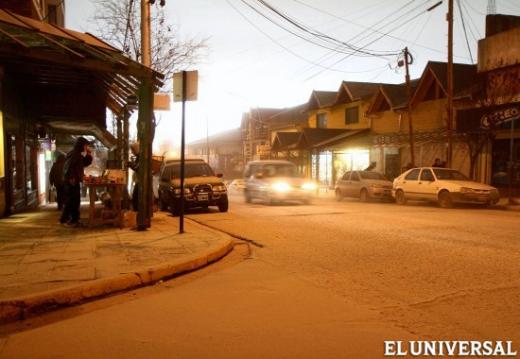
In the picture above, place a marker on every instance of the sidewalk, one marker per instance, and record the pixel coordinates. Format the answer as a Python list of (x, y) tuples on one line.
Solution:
[(44, 263)]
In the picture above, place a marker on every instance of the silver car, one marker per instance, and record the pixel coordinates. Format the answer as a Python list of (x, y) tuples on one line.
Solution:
[(276, 181), (363, 185)]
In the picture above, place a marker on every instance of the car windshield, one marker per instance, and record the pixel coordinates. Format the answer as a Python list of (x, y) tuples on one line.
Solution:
[(279, 171), (192, 170), (447, 174), (371, 175)]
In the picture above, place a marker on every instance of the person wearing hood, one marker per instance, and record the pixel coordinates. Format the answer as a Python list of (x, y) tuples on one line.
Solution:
[(56, 178), (73, 173)]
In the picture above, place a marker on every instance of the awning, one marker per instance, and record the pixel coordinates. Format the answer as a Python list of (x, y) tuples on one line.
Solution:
[(50, 55), (321, 137), (84, 128)]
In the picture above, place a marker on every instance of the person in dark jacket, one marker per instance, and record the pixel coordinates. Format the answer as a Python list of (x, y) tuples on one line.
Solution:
[(56, 179), (73, 172), (134, 165)]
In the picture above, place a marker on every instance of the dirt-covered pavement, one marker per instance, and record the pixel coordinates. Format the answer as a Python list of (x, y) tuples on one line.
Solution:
[(324, 280), (437, 273)]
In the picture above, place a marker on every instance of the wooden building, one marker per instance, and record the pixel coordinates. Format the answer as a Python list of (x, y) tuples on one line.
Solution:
[(55, 80)]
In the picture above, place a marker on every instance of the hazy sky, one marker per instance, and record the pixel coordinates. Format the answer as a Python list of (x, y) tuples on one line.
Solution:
[(253, 63)]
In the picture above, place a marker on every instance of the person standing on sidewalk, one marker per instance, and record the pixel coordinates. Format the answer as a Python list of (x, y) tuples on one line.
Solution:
[(134, 165), (56, 178), (73, 172)]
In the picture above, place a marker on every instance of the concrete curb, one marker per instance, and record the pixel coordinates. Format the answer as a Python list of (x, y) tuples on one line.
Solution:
[(23, 307)]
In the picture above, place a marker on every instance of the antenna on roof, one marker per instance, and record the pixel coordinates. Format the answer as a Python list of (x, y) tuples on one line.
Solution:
[(491, 7)]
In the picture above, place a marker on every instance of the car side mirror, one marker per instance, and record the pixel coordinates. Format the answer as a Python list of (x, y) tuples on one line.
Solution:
[(220, 175), (259, 175)]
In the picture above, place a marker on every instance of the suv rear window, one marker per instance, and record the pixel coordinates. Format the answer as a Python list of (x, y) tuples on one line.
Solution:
[(197, 169)]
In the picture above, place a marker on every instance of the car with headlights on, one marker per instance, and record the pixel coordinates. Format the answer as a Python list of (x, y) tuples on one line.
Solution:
[(202, 188), (445, 186), (274, 181), (364, 185)]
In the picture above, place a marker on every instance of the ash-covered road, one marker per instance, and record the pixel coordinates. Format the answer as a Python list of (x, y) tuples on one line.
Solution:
[(329, 280), (437, 273)]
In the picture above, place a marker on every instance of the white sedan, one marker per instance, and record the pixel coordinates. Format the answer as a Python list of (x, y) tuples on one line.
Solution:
[(443, 185)]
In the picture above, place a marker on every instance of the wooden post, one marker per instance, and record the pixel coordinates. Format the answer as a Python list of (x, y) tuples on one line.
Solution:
[(409, 94), (120, 141), (126, 139), (145, 33), (145, 135), (449, 124)]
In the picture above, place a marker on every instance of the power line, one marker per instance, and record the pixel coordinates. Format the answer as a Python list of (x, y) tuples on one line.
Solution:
[(383, 35), (369, 28), (278, 43), (340, 45), (464, 28), (476, 35)]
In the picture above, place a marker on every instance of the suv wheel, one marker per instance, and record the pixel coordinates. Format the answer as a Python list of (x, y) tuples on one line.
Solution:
[(445, 199), (163, 206), (223, 205), (400, 198), (176, 211)]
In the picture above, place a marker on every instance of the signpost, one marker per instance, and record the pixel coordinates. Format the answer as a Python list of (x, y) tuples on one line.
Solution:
[(184, 89)]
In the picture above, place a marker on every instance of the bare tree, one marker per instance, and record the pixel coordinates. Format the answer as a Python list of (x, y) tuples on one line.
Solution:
[(118, 22)]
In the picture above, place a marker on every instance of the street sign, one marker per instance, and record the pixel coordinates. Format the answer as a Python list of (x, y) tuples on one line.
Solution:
[(161, 102), (192, 79)]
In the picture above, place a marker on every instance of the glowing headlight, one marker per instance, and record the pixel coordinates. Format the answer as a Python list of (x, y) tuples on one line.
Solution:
[(219, 188), (281, 187), (309, 186)]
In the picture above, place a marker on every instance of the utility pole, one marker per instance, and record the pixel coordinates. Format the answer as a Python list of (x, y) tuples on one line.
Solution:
[(407, 61), (449, 124), (146, 53), (145, 126)]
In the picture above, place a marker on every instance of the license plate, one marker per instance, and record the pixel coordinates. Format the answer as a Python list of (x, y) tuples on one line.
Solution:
[(202, 197)]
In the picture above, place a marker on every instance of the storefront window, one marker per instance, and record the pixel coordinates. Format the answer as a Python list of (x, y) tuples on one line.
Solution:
[(353, 160), (325, 172)]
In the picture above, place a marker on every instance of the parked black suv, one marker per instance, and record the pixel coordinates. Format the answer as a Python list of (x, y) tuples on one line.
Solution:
[(201, 186)]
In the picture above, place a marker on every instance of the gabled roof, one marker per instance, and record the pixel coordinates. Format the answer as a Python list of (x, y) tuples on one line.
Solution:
[(321, 99), (290, 116), (353, 91), (391, 96), (264, 114), (463, 77), (285, 140)]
